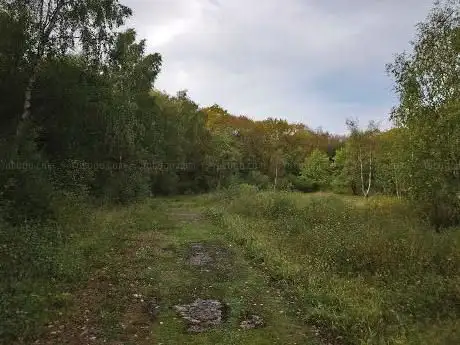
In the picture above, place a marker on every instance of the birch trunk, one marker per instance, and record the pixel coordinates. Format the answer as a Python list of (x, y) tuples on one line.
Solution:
[(370, 177), (361, 172), (396, 181)]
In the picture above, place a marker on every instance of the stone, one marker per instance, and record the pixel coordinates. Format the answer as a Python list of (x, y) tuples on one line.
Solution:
[(253, 321), (202, 314)]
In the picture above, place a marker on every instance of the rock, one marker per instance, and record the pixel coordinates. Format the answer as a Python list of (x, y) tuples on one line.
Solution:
[(201, 314), (254, 321)]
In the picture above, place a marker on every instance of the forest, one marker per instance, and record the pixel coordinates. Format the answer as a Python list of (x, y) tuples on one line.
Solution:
[(82, 126)]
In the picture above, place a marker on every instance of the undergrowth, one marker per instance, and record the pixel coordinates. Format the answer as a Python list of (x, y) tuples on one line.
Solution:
[(363, 273), (42, 263)]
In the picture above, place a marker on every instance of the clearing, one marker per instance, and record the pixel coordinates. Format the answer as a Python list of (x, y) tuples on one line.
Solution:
[(247, 267), (172, 277)]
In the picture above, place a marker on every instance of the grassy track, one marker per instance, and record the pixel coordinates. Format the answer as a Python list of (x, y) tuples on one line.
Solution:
[(319, 269), (145, 260)]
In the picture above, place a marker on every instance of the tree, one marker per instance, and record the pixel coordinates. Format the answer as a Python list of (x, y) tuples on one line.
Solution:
[(224, 157), (361, 150), (54, 28), (391, 174), (316, 169), (274, 131), (344, 172), (428, 84)]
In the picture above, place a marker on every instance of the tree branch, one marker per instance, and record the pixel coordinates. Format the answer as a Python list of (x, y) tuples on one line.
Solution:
[(48, 27)]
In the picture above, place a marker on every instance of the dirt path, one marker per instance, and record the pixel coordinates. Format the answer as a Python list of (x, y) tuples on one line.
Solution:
[(173, 258)]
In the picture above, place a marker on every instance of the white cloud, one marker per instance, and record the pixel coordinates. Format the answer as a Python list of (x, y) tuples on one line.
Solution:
[(263, 58)]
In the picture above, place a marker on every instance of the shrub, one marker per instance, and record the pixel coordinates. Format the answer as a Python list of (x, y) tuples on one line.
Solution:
[(284, 184), (164, 183), (241, 190), (26, 193), (258, 179), (302, 184)]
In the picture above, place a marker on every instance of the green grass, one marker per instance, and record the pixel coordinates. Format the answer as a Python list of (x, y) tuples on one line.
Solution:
[(351, 270), (44, 265), (363, 272), (139, 251)]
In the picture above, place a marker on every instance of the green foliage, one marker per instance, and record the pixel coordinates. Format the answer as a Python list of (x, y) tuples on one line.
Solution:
[(316, 170), (258, 179), (34, 265), (124, 186), (345, 176), (300, 184), (363, 273), (427, 83), (54, 27), (77, 128), (243, 189), (25, 188), (284, 184)]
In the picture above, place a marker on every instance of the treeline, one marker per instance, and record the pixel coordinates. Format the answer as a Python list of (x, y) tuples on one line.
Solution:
[(91, 123), (78, 97)]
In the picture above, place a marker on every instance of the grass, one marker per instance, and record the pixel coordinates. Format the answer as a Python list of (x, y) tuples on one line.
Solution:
[(134, 254), (366, 273), (318, 268)]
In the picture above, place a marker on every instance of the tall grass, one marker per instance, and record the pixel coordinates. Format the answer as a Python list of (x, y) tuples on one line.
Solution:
[(362, 272)]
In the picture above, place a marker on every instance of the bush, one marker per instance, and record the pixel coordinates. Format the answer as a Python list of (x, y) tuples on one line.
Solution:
[(166, 183), (26, 190), (241, 190), (317, 169), (284, 184), (258, 179), (340, 185), (279, 206), (124, 186), (303, 185), (39, 260)]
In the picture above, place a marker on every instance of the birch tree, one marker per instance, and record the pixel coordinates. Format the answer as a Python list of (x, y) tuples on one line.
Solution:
[(56, 27), (362, 151), (427, 81)]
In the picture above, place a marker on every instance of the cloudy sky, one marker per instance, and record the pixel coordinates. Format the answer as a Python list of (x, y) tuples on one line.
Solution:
[(318, 62)]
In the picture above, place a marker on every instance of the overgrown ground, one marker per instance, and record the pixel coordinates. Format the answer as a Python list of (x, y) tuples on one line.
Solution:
[(319, 269), (362, 272), (140, 256)]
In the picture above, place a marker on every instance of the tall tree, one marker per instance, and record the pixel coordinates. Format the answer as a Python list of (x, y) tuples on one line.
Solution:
[(428, 85), (362, 151), (316, 170), (55, 27)]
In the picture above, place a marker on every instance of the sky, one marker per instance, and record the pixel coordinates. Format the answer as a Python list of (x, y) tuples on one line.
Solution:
[(317, 62)]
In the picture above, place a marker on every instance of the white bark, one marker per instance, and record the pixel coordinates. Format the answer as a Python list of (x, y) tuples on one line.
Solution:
[(370, 176), (47, 23), (364, 190), (361, 171), (28, 99), (398, 195)]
